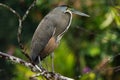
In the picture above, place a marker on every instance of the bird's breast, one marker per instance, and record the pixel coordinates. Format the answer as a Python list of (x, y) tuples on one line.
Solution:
[(49, 48)]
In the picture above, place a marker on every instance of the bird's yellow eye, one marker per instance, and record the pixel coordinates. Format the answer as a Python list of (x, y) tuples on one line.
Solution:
[(66, 9), (69, 8)]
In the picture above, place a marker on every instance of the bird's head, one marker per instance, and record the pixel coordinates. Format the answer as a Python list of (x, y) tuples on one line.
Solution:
[(65, 8)]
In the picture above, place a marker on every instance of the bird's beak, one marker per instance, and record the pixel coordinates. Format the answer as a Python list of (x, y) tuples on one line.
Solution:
[(79, 13)]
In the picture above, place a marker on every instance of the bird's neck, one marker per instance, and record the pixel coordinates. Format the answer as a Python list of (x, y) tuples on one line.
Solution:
[(70, 20)]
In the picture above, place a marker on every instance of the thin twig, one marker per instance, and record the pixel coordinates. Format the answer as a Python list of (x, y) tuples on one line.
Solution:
[(11, 10), (28, 10), (20, 29), (106, 62)]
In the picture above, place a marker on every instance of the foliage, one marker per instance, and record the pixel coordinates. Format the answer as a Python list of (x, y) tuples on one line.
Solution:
[(83, 48)]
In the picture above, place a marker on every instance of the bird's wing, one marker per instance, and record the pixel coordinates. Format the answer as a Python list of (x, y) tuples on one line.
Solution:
[(40, 38)]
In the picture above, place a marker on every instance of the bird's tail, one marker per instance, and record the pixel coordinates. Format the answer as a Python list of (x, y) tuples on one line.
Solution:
[(35, 58)]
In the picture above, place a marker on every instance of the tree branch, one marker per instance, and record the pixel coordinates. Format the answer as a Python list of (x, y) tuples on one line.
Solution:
[(38, 70)]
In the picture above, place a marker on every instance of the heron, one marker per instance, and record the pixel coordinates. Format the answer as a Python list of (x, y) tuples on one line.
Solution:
[(50, 30)]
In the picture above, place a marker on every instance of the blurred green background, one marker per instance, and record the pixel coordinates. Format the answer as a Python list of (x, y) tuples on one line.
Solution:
[(84, 48)]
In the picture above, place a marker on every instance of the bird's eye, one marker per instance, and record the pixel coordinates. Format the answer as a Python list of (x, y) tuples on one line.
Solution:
[(67, 8)]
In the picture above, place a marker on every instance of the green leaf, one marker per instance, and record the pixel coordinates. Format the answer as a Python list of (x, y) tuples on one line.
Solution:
[(116, 13), (109, 19)]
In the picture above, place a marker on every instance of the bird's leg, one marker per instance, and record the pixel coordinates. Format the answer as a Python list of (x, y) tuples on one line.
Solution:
[(40, 64), (52, 61)]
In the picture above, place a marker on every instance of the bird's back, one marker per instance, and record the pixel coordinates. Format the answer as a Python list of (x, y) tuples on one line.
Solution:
[(40, 39)]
